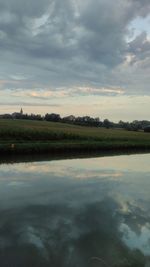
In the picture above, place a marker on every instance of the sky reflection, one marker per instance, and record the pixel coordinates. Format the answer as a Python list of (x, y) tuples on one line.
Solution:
[(71, 212)]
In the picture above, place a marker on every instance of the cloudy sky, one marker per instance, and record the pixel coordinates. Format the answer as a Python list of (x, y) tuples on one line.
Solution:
[(76, 57)]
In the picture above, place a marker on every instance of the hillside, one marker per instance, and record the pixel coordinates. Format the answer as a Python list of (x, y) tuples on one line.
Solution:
[(40, 136)]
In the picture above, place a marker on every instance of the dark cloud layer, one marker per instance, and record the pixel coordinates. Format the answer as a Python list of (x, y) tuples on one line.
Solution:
[(72, 42)]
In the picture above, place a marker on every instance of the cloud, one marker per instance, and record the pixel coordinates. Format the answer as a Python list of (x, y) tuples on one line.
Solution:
[(52, 43), (140, 48), (27, 104), (46, 94)]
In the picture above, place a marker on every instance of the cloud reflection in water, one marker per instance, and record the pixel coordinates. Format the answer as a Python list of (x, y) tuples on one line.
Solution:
[(61, 214)]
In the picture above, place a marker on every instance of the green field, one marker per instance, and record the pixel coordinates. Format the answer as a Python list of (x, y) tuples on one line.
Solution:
[(23, 136)]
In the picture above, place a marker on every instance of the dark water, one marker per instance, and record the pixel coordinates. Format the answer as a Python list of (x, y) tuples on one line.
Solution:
[(76, 213)]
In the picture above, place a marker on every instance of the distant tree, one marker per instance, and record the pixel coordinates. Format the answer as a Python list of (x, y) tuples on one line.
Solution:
[(6, 116), (121, 124), (107, 124), (52, 117), (144, 123), (87, 121), (69, 119)]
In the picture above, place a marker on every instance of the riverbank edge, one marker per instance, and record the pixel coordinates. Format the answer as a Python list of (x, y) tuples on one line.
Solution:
[(62, 147)]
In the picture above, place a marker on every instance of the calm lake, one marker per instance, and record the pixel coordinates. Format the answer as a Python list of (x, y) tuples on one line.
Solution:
[(76, 213)]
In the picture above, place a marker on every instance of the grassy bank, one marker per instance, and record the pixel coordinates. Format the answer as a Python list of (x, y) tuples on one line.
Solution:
[(20, 136)]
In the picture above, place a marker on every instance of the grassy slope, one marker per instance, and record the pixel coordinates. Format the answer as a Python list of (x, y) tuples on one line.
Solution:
[(36, 136)]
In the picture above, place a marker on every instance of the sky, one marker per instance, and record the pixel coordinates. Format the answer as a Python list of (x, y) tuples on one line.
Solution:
[(76, 57)]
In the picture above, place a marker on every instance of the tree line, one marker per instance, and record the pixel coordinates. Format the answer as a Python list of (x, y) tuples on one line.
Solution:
[(135, 125)]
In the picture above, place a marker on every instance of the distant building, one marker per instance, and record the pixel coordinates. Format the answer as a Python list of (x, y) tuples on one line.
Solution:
[(21, 111), (17, 115)]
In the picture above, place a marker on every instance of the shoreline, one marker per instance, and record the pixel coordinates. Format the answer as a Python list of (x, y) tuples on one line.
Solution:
[(60, 146), (22, 152)]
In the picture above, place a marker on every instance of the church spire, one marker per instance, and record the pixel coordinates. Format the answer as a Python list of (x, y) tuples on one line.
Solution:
[(21, 111)]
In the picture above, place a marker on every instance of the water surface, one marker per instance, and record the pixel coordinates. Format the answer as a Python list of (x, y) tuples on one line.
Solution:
[(76, 213)]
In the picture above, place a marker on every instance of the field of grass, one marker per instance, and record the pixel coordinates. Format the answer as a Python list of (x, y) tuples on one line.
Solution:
[(23, 136)]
